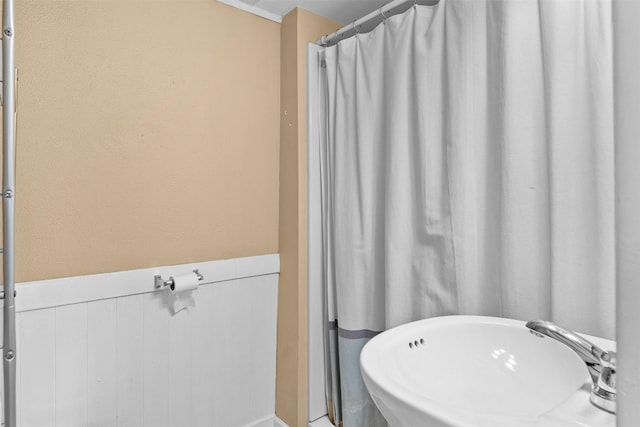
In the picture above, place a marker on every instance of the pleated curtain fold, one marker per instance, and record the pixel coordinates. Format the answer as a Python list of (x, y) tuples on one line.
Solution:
[(467, 168)]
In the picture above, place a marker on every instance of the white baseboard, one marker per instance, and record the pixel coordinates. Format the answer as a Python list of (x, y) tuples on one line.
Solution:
[(271, 421), (321, 422), (72, 290)]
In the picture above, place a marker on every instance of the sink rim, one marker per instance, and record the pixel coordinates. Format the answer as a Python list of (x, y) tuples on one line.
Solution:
[(384, 383)]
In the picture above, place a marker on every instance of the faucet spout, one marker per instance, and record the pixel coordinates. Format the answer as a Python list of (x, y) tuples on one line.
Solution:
[(590, 353), (600, 363)]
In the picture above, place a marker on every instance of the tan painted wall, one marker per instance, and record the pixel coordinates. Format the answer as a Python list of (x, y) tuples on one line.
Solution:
[(148, 134), (299, 27)]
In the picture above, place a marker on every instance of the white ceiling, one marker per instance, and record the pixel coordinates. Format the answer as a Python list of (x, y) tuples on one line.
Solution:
[(343, 11)]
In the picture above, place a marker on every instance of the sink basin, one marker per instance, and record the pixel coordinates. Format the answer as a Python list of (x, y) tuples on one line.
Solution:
[(462, 371)]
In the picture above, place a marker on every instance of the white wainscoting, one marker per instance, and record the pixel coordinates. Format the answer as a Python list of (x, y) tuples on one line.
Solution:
[(118, 357)]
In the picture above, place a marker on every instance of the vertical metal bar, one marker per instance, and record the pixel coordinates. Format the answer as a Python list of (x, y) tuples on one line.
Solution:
[(8, 182)]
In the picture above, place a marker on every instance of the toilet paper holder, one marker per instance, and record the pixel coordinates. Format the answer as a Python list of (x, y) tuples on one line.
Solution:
[(159, 283)]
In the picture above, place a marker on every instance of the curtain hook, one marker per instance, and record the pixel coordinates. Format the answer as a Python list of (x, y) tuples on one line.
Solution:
[(415, 4), (384, 17), (355, 28)]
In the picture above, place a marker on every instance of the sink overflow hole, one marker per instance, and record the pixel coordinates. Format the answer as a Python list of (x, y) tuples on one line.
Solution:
[(416, 343)]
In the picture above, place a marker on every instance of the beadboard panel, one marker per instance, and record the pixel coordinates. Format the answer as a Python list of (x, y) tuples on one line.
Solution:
[(71, 374), (101, 363), (156, 336), (37, 373), (128, 361)]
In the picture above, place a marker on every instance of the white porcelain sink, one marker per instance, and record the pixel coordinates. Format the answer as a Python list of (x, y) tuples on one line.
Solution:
[(464, 371)]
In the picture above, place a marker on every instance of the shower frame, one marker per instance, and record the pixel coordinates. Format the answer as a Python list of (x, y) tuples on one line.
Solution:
[(9, 84)]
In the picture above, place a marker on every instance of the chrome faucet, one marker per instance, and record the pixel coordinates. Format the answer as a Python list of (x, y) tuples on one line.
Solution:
[(601, 364)]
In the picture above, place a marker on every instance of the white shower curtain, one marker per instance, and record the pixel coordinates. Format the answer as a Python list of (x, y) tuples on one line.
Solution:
[(467, 168)]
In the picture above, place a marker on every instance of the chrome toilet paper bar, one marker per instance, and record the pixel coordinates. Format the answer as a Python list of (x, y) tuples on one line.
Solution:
[(159, 283)]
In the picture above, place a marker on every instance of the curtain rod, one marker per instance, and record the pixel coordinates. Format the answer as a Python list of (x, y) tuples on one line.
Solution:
[(370, 21)]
